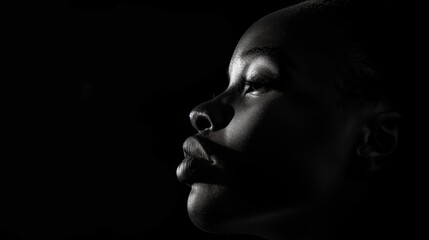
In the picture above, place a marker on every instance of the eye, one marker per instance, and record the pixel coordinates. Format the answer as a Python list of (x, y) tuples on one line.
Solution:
[(256, 87)]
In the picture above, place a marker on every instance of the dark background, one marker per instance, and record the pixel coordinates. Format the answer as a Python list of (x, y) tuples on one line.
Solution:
[(97, 97), (96, 102)]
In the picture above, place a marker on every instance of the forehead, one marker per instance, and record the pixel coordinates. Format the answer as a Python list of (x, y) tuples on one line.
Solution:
[(292, 37), (305, 25), (261, 44), (267, 42)]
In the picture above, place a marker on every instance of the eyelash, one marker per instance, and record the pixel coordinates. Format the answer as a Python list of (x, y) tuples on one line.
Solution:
[(261, 85), (252, 86)]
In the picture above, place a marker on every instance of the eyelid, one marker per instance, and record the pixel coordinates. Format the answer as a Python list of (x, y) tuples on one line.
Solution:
[(259, 79), (261, 87), (261, 66), (266, 81)]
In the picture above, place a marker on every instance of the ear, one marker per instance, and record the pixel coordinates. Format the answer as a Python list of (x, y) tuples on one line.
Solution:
[(380, 138)]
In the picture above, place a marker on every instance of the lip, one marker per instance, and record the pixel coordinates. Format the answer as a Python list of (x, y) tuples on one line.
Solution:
[(195, 147), (199, 165)]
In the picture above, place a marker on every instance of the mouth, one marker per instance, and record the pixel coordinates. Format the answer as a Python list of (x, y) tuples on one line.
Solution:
[(199, 165), (196, 148)]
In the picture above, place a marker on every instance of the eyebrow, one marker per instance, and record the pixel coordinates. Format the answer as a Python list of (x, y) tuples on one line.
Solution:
[(275, 52), (270, 51)]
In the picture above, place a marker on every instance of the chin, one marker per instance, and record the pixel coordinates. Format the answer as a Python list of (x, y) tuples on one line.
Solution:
[(213, 208), (224, 210)]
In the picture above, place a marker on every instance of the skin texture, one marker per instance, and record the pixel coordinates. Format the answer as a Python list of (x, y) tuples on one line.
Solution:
[(288, 151)]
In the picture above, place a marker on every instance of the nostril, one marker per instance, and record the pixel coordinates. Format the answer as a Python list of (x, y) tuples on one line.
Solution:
[(202, 123)]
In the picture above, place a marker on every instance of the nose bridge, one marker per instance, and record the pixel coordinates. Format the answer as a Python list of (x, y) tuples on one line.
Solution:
[(213, 114)]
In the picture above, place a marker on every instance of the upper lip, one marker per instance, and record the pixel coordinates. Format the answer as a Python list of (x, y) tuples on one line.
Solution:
[(196, 147)]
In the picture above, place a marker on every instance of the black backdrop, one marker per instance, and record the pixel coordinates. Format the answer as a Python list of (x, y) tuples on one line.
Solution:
[(96, 102)]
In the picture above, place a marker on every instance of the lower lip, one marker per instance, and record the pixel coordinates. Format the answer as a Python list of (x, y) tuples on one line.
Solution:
[(197, 170)]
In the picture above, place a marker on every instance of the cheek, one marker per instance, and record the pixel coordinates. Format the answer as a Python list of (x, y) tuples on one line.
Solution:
[(255, 121), (277, 124), (290, 146)]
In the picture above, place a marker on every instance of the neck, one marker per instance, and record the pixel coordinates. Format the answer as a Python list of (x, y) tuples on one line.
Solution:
[(295, 224), (314, 227)]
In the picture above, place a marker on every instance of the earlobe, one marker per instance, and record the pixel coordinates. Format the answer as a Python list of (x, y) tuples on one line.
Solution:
[(380, 139)]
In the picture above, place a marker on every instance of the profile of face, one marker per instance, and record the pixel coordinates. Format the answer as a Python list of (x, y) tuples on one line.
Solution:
[(273, 152)]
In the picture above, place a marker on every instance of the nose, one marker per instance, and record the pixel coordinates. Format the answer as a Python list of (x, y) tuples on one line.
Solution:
[(213, 115)]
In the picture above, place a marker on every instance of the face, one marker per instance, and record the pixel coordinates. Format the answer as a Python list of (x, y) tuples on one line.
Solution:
[(272, 146)]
